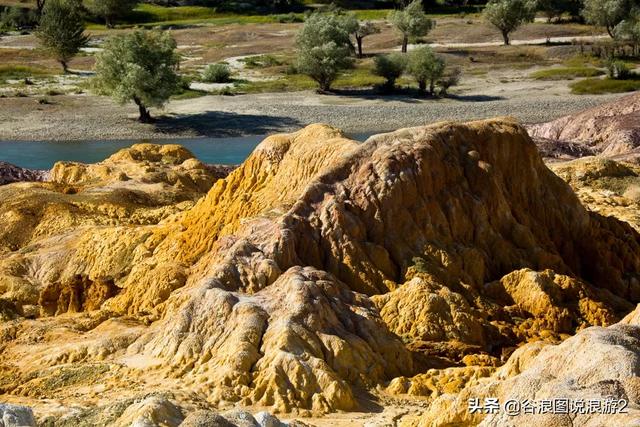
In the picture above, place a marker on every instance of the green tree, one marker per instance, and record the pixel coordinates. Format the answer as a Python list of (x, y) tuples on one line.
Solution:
[(391, 68), (110, 10), (141, 67), (411, 22), (556, 8), (61, 30), (629, 31), (508, 15), (364, 29), (426, 68), (324, 48), (606, 13)]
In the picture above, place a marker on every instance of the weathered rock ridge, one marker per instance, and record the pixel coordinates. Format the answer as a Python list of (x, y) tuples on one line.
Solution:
[(316, 270), (605, 186), (597, 364), (611, 129)]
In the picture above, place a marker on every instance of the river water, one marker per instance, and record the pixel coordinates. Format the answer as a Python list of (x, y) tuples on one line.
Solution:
[(42, 155)]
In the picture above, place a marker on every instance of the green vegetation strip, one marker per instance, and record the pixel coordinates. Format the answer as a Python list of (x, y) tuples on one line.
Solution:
[(599, 86), (566, 73), (19, 72), (152, 15)]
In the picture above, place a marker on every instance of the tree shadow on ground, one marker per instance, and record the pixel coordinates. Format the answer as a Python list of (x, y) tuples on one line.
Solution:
[(407, 95), (475, 98), (375, 93), (224, 124)]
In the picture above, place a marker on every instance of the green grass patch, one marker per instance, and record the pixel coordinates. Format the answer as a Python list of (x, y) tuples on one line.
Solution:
[(600, 86), (19, 72), (152, 15), (287, 83), (566, 73), (188, 94), (372, 14), (262, 61), (582, 60), (357, 78)]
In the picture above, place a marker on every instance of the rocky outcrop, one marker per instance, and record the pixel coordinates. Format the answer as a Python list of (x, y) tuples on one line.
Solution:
[(16, 416), (159, 410), (10, 173), (141, 164), (152, 411), (414, 263), (139, 185), (610, 129), (597, 367), (301, 343), (605, 186)]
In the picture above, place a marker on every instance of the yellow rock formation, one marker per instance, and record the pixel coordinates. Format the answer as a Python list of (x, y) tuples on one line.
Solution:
[(412, 264)]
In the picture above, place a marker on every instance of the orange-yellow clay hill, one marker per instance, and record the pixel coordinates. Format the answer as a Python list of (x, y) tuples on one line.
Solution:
[(324, 281)]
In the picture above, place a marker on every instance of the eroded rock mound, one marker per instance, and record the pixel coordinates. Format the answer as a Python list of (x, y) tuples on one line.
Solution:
[(151, 164), (470, 203), (302, 342), (139, 185), (317, 269)]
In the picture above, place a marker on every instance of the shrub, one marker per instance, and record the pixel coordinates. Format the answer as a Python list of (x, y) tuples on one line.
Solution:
[(618, 70), (391, 68), (217, 73), (426, 68), (448, 80), (291, 70)]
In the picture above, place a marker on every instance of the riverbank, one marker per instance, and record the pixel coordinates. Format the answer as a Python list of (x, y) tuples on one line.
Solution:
[(86, 117)]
